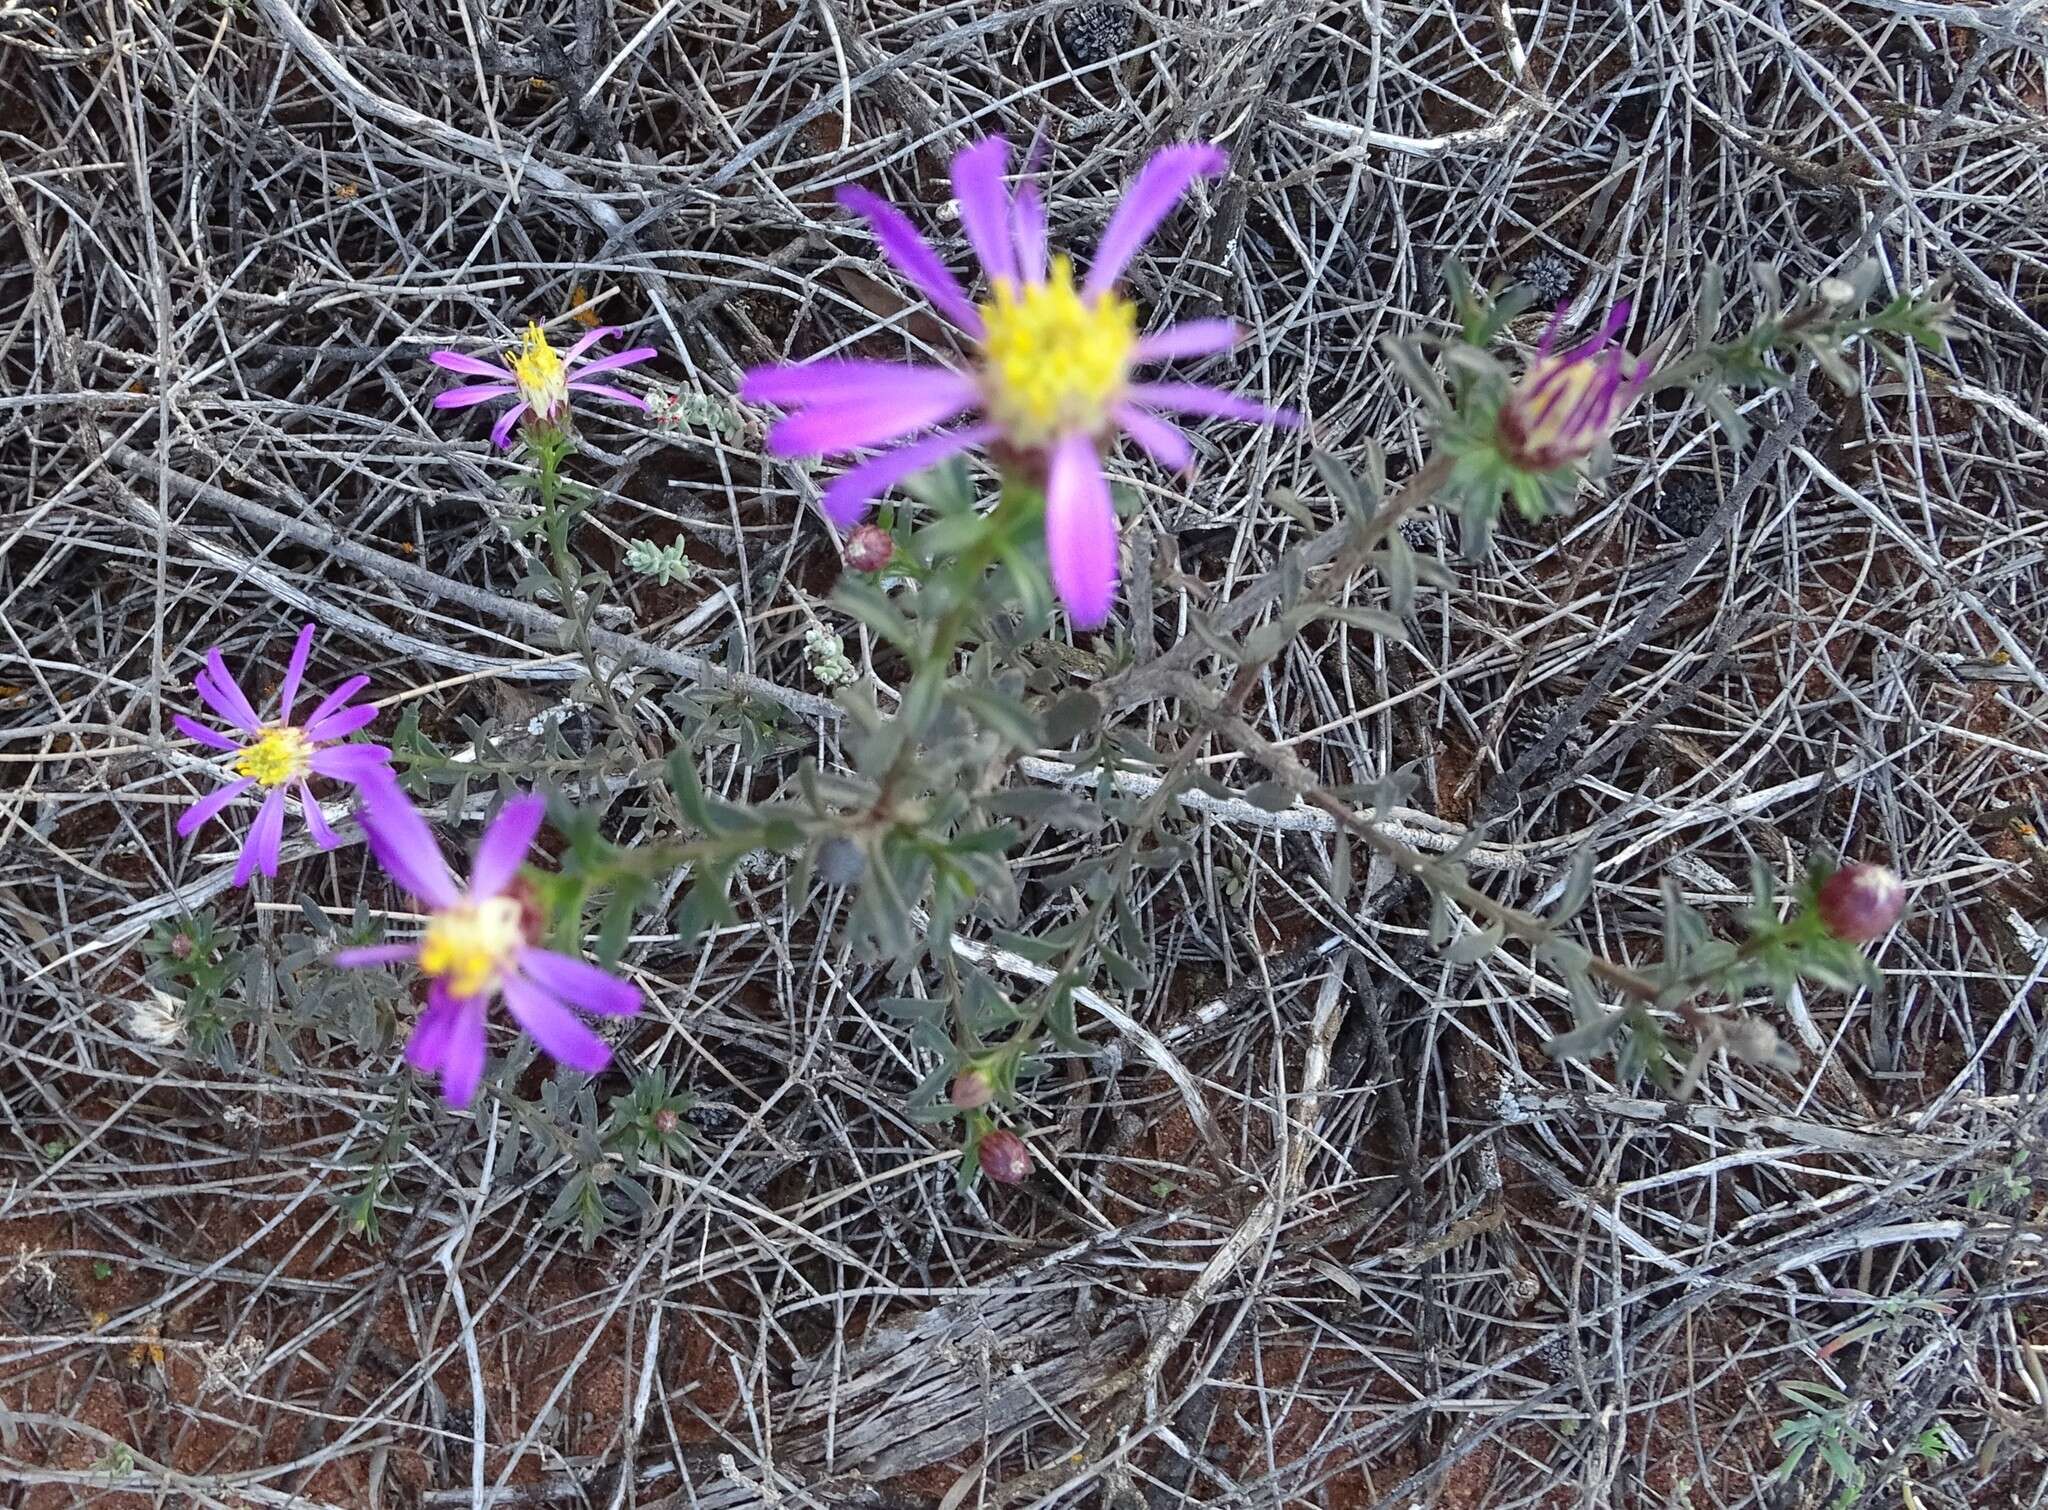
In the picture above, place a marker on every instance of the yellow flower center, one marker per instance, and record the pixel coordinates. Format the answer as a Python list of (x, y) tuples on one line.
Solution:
[(1557, 388), (1053, 363), (470, 944), (537, 368), (280, 756)]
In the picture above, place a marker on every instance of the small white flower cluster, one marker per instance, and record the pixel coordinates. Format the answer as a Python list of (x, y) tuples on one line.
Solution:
[(673, 409), (665, 563), (826, 655)]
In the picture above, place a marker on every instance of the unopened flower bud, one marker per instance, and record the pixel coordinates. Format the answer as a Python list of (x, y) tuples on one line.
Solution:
[(1005, 1157), (666, 1121), (972, 1089), (181, 946), (1861, 902), (869, 548), (1567, 405)]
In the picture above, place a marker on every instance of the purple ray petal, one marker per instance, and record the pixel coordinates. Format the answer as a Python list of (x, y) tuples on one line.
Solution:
[(605, 390), (590, 338), (852, 427), (1195, 338), (1149, 200), (1080, 532), (403, 844), (1597, 342), (355, 764), (455, 361), (335, 699), (1160, 439), (472, 394), (426, 1048), (847, 499), (233, 704), (1193, 398), (375, 954), (341, 725), (831, 380), (316, 821), (1028, 228), (559, 1031), (579, 981), (294, 673), (616, 359), (265, 834), (192, 729), (501, 432), (200, 811), (502, 849), (985, 205), (219, 703), (911, 255), (902, 410), (462, 1051)]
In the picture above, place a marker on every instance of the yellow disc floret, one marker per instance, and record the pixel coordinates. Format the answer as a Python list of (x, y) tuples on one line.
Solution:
[(280, 756), (1054, 363), (470, 944), (537, 368)]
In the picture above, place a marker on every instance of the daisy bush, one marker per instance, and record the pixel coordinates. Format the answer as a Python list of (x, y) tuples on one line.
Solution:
[(978, 503)]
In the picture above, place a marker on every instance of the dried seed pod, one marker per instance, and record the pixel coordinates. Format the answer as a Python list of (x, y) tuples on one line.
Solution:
[(1095, 30)]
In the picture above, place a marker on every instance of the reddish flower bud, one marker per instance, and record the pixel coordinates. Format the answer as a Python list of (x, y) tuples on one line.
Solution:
[(1005, 1157), (1566, 406), (666, 1121), (181, 946), (972, 1089), (869, 548), (1861, 902)]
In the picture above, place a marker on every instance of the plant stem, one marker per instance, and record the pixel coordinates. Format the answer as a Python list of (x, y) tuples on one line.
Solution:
[(551, 447)]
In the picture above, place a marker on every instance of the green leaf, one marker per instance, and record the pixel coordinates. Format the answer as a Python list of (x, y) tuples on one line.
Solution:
[(1128, 977), (1471, 948), (1263, 643), (1371, 620), (1270, 797), (1349, 492), (704, 907), (1578, 886), (1413, 368), (1059, 1021), (867, 604), (951, 535), (1710, 304), (946, 487), (1397, 566), (1076, 713), (1587, 1039), (1006, 717), (1042, 805)]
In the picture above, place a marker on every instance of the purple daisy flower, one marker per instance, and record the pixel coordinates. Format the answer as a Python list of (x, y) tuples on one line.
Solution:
[(280, 755), (1566, 406), (1053, 379), (478, 944), (541, 377)]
